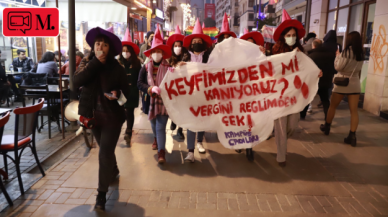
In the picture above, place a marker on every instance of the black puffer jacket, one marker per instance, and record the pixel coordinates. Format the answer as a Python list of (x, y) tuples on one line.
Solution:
[(97, 78), (330, 41), (27, 64), (324, 59)]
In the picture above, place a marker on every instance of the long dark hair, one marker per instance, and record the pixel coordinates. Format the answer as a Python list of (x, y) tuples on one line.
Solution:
[(105, 39), (48, 56), (132, 59), (175, 59), (221, 38), (281, 46), (354, 40), (204, 44)]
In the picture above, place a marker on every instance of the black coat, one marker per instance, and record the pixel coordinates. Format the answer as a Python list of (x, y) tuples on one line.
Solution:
[(97, 78), (330, 41), (324, 59), (27, 64)]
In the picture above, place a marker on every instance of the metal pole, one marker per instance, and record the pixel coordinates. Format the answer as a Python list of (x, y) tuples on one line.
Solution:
[(60, 81), (307, 17), (73, 92)]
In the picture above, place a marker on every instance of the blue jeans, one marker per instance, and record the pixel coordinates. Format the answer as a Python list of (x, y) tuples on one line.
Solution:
[(191, 138), (158, 125)]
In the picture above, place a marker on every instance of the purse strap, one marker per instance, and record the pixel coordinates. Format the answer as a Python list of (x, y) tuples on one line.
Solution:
[(354, 70)]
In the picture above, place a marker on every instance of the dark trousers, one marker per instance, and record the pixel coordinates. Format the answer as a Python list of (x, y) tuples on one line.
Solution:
[(13, 82), (130, 113), (304, 112), (107, 138), (323, 93), (4, 91)]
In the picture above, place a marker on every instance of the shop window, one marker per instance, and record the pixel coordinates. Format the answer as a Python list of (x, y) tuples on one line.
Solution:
[(355, 21), (251, 2), (354, 1), (343, 2), (342, 25), (368, 34), (299, 18), (332, 16), (333, 4), (251, 17)]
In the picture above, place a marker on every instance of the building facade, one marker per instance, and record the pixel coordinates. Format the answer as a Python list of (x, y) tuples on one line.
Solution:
[(222, 6)]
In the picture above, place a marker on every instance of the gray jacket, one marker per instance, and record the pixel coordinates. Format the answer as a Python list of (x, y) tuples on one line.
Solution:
[(50, 68), (308, 46)]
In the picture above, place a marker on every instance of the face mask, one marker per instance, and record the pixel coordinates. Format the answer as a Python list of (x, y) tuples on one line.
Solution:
[(198, 47), (177, 50), (98, 53), (126, 55), (157, 57), (290, 41)]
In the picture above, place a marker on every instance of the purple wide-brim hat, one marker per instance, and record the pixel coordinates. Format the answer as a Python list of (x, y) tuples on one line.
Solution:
[(114, 40)]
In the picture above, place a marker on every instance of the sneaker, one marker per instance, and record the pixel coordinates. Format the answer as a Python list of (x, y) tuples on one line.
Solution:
[(155, 144), (100, 202), (190, 157), (172, 126), (180, 133), (161, 156), (200, 147)]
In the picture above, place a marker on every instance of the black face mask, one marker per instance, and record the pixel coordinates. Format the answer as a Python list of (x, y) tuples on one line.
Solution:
[(197, 47)]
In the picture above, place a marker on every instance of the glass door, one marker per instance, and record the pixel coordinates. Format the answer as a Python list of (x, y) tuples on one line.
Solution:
[(367, 39)]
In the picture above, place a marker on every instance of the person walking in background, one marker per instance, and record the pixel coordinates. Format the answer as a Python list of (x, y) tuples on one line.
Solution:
[(324, 59), (199, 46), (348, 64), (129, 60), (225, 31), (178, 53), (47, 65), (65, 68), (308, 42), (150, 77), (102, 80), (147, 45), (287, 36)]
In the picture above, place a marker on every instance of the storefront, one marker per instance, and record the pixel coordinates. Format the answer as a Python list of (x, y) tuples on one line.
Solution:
[(346, 16)]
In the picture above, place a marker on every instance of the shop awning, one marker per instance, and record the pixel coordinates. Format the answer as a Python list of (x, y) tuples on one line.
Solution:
[(93, 11)]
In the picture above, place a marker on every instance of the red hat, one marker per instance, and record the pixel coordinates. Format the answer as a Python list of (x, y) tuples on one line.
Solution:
[(177, 36), (128, 41), (157, 43), (254, 35), (288, 22), (225, 28), (197, 33)]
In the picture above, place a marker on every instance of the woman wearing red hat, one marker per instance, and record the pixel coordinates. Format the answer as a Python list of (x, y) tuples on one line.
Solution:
[(287, 36), (178, 52), (129, 60), (199, 46), (150, 77), (225, 31), (102, 80)]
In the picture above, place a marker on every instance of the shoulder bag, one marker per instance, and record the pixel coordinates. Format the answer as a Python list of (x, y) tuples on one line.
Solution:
[(343, 81)]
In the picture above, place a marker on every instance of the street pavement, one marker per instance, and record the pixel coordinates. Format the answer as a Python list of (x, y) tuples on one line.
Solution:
[(323, 176)]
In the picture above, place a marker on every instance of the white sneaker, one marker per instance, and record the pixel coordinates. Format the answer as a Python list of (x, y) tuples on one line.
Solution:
[(200, 147), (310, 109), (190, 157)]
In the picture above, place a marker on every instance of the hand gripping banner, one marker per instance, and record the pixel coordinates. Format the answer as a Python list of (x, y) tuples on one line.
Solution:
[(239, 92)]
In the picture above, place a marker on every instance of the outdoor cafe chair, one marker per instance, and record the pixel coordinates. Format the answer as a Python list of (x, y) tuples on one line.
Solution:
[(51, 109), (26, 120), (3, 121)]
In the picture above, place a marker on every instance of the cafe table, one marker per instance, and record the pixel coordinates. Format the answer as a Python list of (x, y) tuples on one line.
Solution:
[(4, 110)]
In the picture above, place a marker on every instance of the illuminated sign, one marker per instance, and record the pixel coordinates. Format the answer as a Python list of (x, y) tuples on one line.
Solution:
[(159, 13)]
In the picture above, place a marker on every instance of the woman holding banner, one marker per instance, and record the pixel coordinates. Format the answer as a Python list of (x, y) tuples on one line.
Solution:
[(150, 77), (178, 53), (287, 37), (198, 45)]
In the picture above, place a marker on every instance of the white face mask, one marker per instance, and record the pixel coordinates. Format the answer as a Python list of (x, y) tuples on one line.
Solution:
[(126, 55), (290, 41), (157, 57), (98, 53), (177, 50)]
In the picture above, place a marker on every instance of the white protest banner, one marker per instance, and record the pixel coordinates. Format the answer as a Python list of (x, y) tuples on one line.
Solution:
[(239, 92)]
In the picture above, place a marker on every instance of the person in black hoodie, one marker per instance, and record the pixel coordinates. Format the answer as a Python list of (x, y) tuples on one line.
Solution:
[(324, 59), (330, 42)]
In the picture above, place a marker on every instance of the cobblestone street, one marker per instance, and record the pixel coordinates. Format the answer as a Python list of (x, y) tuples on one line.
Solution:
[(323, 177)]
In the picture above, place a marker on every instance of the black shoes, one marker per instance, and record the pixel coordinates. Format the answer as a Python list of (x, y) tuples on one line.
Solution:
[(249, 153), (172, 126), (351, 139), (180, 134), (100, 201), (325, 128), (127, 138)]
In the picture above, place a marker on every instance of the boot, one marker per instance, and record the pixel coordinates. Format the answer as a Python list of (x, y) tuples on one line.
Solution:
[(100, 201), (155, 144), (180, 133), (351, 139), (172, 126), (325, 128), (249, 153), (127, 138), (161, 156)]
